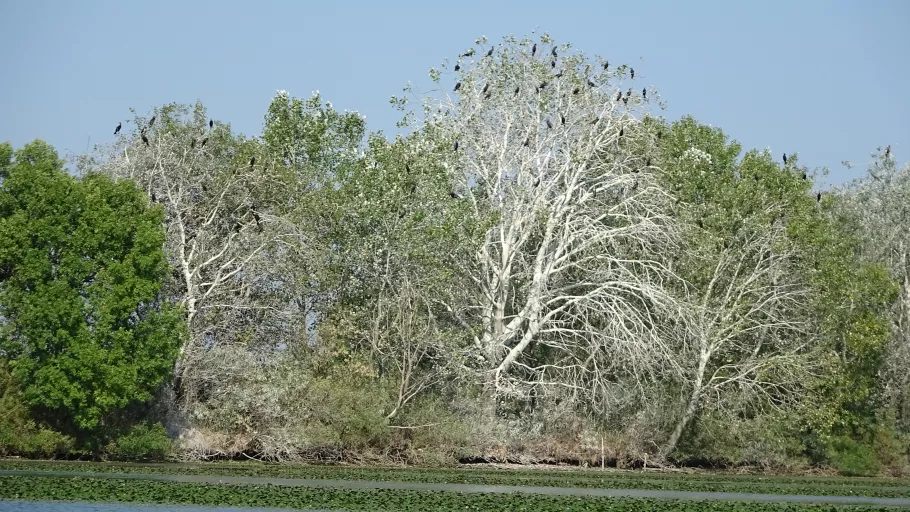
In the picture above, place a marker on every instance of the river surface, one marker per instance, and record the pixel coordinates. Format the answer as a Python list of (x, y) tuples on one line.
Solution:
[(422, 486)]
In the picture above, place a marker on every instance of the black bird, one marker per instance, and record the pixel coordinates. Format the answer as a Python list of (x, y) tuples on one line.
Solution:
[(534, 50), (414, 188), (193, 144), (542, 84), (151, 121), (252, 162), (618, 95), (517, 88), (558, 75), (527, 141), (805, 177), (606, 65), (488, 95), (629, 92), (552, 63), (621, 131), (625, 101), (454, 195), (407, 168), (591, 84), (457, 86), (456, 145), (457, 67), (595, 120), (467, 53), (562, 118), (211, 123), (204, 188), (490, 53), (818, 197), (537, 181), (576, 90), (660, 134), (632, 70), (785, 159), (485, 88), (644, 93), (888, 151), (117, 129), (554, 52), (755, 176), (203, 142), (648, 163), (587, 69), (549, 124), (154, 199), (145, 139)]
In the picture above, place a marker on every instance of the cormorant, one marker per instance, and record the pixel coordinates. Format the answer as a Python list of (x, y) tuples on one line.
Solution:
[(591, 84), (457, 86), (117, 129), (151, 121), (252, 162), (648, 163), (154, 199), (549, 124), (486, 87), (490, 53), (606, 65), (562, 118), (818, 197), (621, 131), (527, 141), (887, 150), (554, 52), (193, 144), (203, 142), (632, 70), (537, 181), (618, 95), (517, 88), (629, 92), (785, 159), (454, 195), (467, 53), (805, 177), (660, 134), (625, 101), (488, 95), (644, 93), (456, 145), (542, 84), (534, 50), (457, 67), (576, 90), (211, 123), (552, 63), (145, 139)]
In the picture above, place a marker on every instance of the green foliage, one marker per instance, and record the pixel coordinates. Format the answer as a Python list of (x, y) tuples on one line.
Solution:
[(19, 434), (852, 458), (141, 442), (86, 330)]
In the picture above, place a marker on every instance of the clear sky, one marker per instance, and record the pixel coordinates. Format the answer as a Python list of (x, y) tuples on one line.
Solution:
[(827, 79)]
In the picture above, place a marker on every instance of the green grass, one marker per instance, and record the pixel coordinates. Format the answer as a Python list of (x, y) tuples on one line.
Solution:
[(146, 491), (835, 486)]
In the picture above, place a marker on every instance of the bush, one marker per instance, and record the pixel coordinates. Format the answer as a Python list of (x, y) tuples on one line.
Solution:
[(19, 435), (852, 458), (142, 442)]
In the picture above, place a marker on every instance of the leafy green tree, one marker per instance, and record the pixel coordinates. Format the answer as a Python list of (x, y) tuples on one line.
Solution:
[(85, 326)]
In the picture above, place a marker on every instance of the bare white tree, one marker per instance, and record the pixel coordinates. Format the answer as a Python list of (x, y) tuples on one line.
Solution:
[(551, 151), (225, 239), (881, 199), (744, 333)]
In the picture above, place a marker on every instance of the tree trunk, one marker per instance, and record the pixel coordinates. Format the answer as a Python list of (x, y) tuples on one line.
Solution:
[(691, 406)]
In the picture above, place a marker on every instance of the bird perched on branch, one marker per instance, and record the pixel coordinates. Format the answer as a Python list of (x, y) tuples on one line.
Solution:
[(534, 50), (117, 129), (144, 138), (467, 53), (632, 71)]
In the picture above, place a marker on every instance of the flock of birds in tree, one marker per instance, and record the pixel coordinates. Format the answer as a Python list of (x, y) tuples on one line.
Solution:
[(619, 97), (145, 140), (202, 144)]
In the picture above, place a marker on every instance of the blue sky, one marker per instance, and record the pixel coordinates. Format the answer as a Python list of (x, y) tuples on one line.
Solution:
[(827, 79)]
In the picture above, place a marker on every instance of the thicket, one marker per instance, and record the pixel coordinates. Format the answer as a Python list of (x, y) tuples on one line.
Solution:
[(538, 267)]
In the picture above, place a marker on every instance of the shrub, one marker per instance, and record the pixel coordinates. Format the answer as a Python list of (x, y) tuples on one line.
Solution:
[(852, 458), (142, 442)]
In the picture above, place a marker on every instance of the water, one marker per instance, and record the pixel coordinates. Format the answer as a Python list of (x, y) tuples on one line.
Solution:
[(59, 506)]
